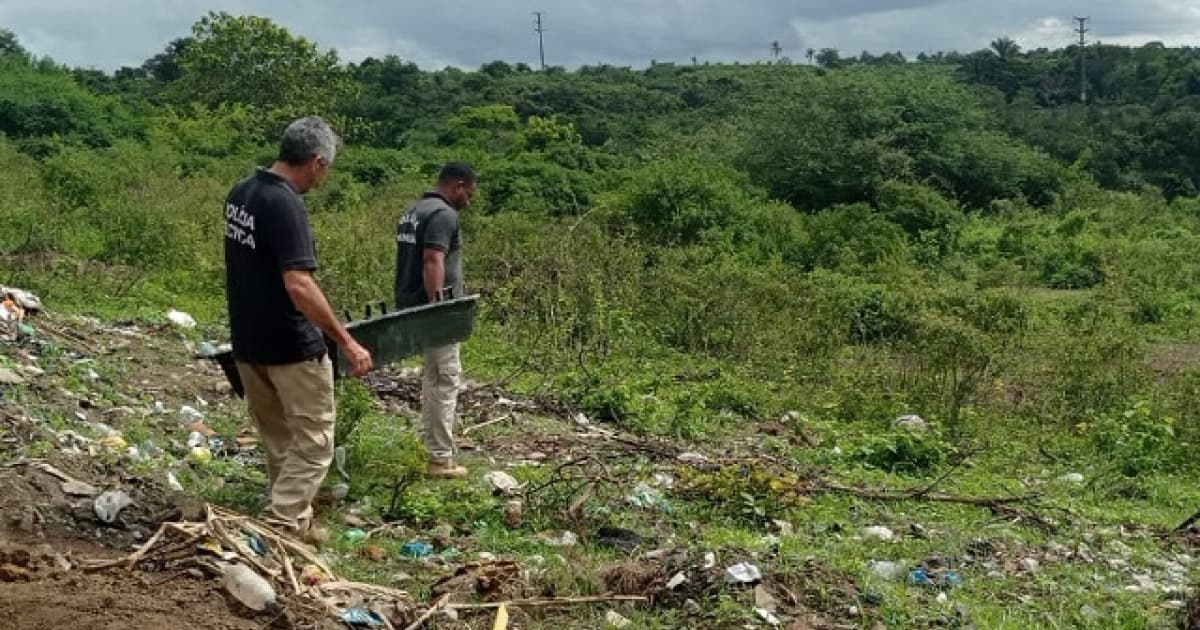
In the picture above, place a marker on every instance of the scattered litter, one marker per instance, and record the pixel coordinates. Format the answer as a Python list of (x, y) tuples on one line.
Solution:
[(952, 579), (113, 441), (619, 538), (917, 530), (663, 480), (1071, 478), (919, 577), (643, 496), (581, 419), (692, 458), (339, 462), (354, 535), (764, 599), (786, 529), (886, 569), (312, 575), (912, 423), (878, 532), (340, 490), (768, 617), (743, 573), (1029, 565), (181, 319), (79, 489), (248, 587), (564, 539), (257, 545), (710, 560), (109, 504), (502, 483), (9, 377), (615, 619), (1143, 584), (195, 439), (1088, 612), (362, 618), (942, 598), (416, 549), (691, 607), (173, 482), (29, 302), (676, 580), (200, 455), (189, 415)]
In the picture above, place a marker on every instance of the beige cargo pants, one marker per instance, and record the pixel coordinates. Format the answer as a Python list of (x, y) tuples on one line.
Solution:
[(293, 407), (441, 374)]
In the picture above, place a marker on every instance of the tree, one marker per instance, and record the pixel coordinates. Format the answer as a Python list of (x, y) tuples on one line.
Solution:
[(1006, 49), (252, 61), (829, 58), (164, 67), (10, 47)]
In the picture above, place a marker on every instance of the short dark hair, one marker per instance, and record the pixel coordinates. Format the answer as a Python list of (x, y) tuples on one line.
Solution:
[(455, 171)]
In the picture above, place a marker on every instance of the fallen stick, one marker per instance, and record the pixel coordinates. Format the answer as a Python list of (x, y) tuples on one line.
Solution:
[(489, 423), (922, 495), (438, 605), (141, 552), (555, 601)]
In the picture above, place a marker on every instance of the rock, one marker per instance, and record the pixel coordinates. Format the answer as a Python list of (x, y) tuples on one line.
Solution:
[(614, 619), (691, 607), (32, 370), (1029, 565), (878, 532), (502, 483), (911, 423), (108, 505), (9, 377), (14, 573), (401, 578)]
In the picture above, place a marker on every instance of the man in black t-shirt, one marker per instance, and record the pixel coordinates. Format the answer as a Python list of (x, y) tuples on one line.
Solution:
[(428, 269), (277, 313)]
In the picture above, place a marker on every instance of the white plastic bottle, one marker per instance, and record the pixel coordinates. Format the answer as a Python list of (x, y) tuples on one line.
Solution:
[(248, 587)]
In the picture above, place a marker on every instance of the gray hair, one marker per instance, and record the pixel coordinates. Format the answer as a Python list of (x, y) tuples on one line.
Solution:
[(307, 137)]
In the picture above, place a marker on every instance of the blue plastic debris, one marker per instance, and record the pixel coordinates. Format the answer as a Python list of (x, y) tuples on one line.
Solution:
[(952, 579), (363, 618), (416, 549), (918, 577), (257, 545)]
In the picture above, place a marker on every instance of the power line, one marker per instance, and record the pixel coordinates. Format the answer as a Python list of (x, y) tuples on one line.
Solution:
[(1082, 30), (539, 29)]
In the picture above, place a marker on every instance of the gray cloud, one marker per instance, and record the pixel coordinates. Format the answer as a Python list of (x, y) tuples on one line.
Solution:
[(110, 33)]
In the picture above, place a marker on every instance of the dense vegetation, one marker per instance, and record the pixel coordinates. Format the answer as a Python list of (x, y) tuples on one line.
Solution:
[(686, 250)]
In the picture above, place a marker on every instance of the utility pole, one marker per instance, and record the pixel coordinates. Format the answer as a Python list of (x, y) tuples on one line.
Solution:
[(776, 49), (1082, 30), (539, 29)]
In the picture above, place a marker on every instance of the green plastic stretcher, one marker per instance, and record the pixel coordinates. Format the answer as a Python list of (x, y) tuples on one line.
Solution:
[(390, 337)]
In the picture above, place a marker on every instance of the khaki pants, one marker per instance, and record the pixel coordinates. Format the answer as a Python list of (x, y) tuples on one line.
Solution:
[(439, 400), (293, 407)]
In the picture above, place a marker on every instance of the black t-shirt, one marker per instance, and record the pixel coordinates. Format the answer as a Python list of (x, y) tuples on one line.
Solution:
[(267, 233), (431, 223)]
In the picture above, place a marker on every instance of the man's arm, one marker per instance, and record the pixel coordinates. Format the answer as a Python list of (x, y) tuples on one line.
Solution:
[(433, 272), (306, 294)]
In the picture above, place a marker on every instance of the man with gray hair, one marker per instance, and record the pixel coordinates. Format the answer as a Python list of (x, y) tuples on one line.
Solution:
[(277, 313)]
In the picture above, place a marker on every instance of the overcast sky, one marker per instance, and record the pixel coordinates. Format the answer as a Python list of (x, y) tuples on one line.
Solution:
[(108, 34)]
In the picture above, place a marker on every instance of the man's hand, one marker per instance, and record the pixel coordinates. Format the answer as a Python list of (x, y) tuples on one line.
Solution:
[(359, 358)]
